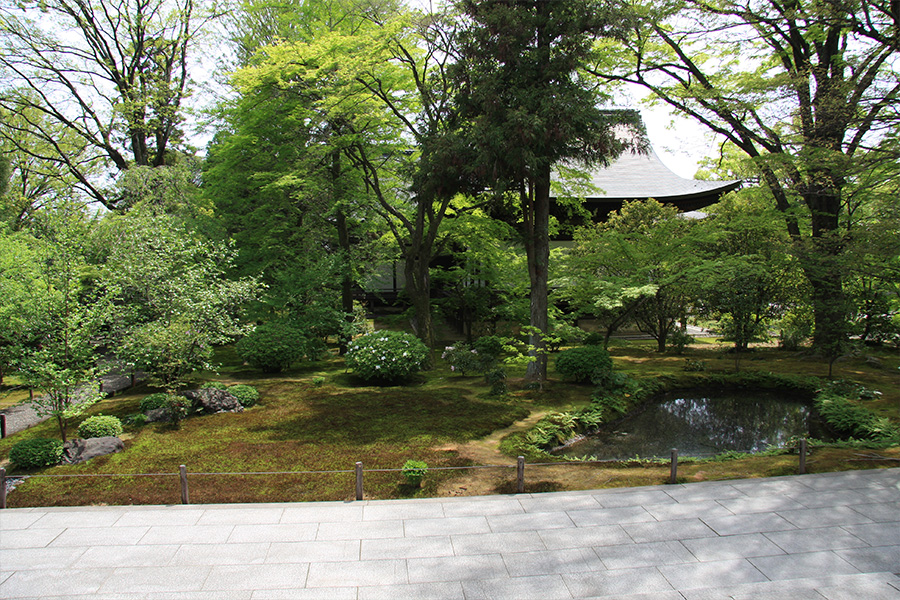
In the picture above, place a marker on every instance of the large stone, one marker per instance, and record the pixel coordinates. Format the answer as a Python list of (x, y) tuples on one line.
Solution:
[(158, 414), (212, 400), (79, 450)]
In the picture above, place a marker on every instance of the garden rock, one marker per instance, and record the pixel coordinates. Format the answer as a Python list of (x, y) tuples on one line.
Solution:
[(79, 450), (212, 400), (158, 414), (874, 362)]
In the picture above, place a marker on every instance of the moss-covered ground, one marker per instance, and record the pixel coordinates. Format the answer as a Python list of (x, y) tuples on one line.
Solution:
[(317, 417)]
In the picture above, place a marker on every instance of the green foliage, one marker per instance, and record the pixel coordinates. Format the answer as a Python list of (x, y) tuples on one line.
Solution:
[(585, 364), (414, 471), (36, 453), (100, 426), (851, 419), (272, 347), (153, 401), (177, 408), (215, 385), (247, 395), (795, 328), (594, 338), (694, 366), (497, 379), (479, 357), (170, 351), (386, 356), (679, 340)]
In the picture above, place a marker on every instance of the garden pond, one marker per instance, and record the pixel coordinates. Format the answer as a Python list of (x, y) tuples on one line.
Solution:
[(702, 423)]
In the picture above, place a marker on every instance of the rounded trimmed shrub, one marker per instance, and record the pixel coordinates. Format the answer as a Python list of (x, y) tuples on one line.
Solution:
[(215, 385), (153, 401), (272, 347), (36, 452), (247, 395), (585, 364), (100, 426), (386, 356)]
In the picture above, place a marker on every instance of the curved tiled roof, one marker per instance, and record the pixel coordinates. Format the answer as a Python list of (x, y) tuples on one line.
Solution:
[(638, 176)]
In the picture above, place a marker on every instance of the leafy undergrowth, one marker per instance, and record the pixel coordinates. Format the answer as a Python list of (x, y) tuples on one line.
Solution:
[(318, 417)]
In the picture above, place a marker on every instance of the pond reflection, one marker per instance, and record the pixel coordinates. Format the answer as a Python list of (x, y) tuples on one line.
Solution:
[(699, 424)]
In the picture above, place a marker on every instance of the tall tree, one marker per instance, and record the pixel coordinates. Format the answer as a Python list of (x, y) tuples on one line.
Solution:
[(525, 107), (114, 75), (805, 89), (63, 364)]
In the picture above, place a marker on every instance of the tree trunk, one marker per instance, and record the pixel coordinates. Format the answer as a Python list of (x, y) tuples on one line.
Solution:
[(824, 269), (344, 242), (536, 209), (418, 288)]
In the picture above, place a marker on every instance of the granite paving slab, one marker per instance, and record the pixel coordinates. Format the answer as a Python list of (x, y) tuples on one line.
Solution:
[(829, 536)]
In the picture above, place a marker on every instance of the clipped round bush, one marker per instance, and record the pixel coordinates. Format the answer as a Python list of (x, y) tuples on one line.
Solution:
[(247, 395), (215, 385), (153, 401), (272, 347), (100, 426), (386, 356), (585, 364), (35, 453)]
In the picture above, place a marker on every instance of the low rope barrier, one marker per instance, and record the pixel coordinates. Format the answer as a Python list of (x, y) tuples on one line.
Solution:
[(359, 472)]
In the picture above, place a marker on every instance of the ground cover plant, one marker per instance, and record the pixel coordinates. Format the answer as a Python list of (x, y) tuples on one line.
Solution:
[(317, 416)]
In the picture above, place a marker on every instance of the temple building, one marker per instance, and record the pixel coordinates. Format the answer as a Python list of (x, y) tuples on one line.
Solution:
[(643, 176)]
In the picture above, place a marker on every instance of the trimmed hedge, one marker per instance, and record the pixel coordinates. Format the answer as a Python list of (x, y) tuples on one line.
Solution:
[(36, 453), (100, 426), (247, 395)]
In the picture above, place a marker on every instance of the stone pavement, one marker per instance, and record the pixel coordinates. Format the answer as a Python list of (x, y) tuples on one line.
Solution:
[(830, 536)]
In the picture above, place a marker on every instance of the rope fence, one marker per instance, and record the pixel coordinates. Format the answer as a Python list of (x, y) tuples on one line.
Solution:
[(359, 473)]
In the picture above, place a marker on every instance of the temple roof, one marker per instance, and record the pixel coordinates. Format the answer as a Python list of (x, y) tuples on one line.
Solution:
[(642, 176)]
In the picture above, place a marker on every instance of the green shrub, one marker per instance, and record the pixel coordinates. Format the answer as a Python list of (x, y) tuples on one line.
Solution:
[(272, 347), (679, 339), (135, 420), (585, 364), (595, 338), (414, 471), (497, 379), (694, 366), (100, 426), (478, 357), (215, 385), (153, 401), (36, 452), (386, 356), (177, 407), (247, 395)]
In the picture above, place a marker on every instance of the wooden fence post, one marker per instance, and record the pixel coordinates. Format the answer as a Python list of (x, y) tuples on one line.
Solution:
[(359, 481), (803, 456), (2, 487), (182, 471), (673, 475), (520, 475), (2, 426)]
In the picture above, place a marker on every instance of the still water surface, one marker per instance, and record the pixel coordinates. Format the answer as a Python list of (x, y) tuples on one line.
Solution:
[(700, 423)]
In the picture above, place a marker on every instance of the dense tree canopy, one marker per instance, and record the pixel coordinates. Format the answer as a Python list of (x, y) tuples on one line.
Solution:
[(356, 132), (112, 76), (807, 90)]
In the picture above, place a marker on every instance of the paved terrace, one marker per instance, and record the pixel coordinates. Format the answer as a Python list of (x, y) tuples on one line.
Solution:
[(834, 536)]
